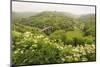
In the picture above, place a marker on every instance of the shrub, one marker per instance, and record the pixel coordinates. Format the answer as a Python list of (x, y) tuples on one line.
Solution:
[(58, 35), (39, 49), (79, 53), (16, 37), (88, 40), (74, 38), (36, 49)]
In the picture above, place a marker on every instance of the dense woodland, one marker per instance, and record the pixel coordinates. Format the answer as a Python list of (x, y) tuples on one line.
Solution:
[(52, 37)]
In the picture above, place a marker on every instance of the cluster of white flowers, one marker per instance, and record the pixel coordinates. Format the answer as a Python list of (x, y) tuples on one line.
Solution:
[(17, 51), (46, 39), (35, 40), (27, 34), (75, 50), (38, 36)]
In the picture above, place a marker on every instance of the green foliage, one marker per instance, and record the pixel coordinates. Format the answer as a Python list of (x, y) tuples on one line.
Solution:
[(53, 37), (23, 28), (36, 49), (55, 19), (88, 40), (58, 36), (79, 53), (74, 38), (89, 24)]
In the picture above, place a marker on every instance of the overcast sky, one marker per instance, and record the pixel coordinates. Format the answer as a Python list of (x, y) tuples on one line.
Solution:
[(39, 7)]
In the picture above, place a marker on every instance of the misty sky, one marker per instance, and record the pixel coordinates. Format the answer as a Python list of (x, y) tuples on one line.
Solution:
[(39, 7)]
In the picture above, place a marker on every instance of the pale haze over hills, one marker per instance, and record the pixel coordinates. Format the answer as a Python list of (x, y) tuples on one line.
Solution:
[(40, 7)]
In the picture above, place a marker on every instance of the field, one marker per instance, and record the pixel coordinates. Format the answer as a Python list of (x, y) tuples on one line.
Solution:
[(51, 37)]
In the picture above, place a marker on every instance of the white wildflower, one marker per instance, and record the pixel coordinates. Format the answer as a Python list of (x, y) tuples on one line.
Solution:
[(21, 52), (27, 34), (39, 36), (46, 39), (16, 52), (35, 41), (33, 50), (35, 45)]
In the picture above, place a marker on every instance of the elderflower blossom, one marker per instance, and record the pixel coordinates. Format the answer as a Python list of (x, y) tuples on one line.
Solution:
[(39, 36), (27, 34), (22, 52), (46, 39), (16, 52), (35, 41), (75, 50)]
